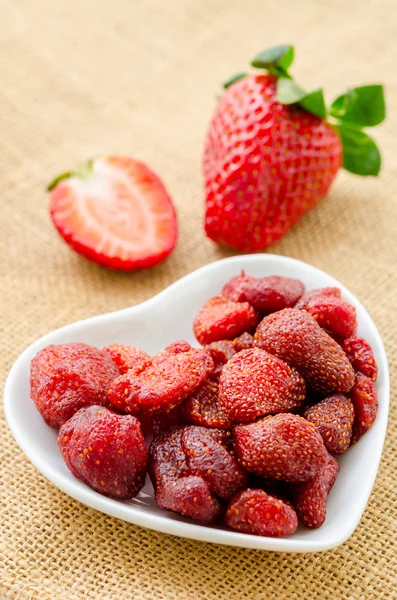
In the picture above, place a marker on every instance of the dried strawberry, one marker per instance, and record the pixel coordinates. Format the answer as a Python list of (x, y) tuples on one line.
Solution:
[(310, 497), (361, 356), (67, 377), (205, 408), (127, 357), (167, 461), (254, 383), (333, 418), (166, 381), (273, 293), (234, 289), (206, 457), (365, 401), (223, 350), (256, 512), (178, 347), (191, 497), (175, 488), (220, 351), (243, 342), (265, 294), (296, 338), (106, 451), (283, 446), (332, 292), (335, 315), (222, 319), (162, 421)]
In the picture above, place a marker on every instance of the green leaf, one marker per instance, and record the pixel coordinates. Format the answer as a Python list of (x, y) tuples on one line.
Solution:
[(360, 153), (289, 92), (363, 106), (314, 103), (276, 60), (58, 179), (233, 79)]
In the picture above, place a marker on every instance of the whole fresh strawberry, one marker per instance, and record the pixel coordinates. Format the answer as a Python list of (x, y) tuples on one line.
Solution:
[(273, 150), (116, 212)]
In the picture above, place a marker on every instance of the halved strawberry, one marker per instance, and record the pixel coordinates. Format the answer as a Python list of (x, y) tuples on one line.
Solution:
[(116, 212)]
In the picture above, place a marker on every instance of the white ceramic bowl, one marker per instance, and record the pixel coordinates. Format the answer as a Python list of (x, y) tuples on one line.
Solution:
[(151, 326)]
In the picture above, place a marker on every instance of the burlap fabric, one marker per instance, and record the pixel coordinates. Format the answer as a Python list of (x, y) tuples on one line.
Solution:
[(83, 77)]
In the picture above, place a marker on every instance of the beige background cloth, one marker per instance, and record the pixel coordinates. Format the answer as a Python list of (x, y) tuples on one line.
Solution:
[(79, 78)]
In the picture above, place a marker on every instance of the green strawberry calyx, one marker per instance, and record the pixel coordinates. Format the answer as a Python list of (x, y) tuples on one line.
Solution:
[(350, 113), (82, 172)]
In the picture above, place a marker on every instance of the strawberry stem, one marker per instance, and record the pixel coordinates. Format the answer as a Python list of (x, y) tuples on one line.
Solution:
[(82, 172)]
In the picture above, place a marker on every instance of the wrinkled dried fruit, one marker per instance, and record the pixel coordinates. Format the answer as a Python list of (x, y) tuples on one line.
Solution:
[(296, 338), (223, 350), (283, 446), (265, 294), (234, 288), (361, 356), (222, 319), (256, 512), (273, 293), (175, 488), (106, 451), (254, 383), (220, 351), (310, 497), (170, 378), (178, 347), (127, 357), (243, 342), (167, 461), (205, 408), (191, 497), (206, 457), (333, 418), (162, 421), (332, 292), (365, 401), (333, 314), (67, 377)]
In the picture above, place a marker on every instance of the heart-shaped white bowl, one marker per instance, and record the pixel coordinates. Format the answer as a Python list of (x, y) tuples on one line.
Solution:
[(151, 326)]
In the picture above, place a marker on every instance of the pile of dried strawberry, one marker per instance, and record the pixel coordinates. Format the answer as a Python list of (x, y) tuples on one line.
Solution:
[(245, 429)]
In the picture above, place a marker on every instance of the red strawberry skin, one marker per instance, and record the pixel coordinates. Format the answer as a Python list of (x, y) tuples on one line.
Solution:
[(254, 383), (106, 451), (206, 457), (67, 377), (265, 165), (205, 408), (254, 511), (333, 417), (361, 356), (365, 401), (222, 319), (175, 488), (127, 357), (295, 337), (310, 497), (116, 212), (169, 378), (284, 447)]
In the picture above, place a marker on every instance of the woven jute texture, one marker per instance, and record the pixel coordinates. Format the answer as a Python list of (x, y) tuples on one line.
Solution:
[(79, 78)]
